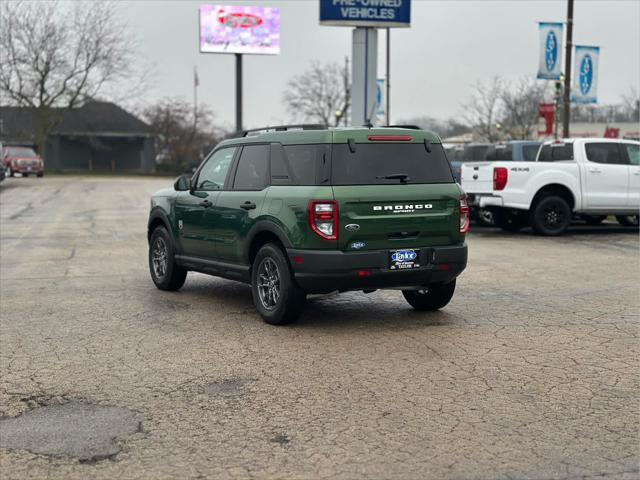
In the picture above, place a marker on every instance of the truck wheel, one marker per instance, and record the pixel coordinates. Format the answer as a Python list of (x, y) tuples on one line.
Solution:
[(40, 174), (594, 219), (165, 273), (551, 216), (277, 297), (433, 298), (627, 220)]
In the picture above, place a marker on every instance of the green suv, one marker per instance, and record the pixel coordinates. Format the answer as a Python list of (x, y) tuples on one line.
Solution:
[(296, 211)]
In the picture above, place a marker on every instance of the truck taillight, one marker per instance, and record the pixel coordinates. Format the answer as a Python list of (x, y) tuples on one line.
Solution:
[(323, 218), (500, 177), (464, 215)]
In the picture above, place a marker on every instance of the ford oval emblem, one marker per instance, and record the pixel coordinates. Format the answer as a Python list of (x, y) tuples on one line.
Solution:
[(352, 227), (551, 50), (586, 74)]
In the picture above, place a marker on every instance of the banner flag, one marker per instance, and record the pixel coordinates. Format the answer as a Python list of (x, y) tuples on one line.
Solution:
[(380, 96), (549, 64), (585, 75)]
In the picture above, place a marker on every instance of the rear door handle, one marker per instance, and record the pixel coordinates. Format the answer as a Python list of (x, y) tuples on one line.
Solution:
[(248, 205), (206, 204), (593, 170)]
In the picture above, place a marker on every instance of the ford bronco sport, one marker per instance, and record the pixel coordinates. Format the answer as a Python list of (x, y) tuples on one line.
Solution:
[(296, 211)]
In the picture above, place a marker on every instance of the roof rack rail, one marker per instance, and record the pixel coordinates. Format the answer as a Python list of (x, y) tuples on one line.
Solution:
[(279, 128), (408, 127)]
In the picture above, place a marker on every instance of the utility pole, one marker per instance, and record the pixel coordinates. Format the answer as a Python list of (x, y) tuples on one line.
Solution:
[(388, 94), (566, 110), (238, 92)]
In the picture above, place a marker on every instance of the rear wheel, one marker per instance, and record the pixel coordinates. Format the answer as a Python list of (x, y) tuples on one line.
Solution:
[(627, 220), (278, 299), (433, 297), (551, 216), (165, 273)]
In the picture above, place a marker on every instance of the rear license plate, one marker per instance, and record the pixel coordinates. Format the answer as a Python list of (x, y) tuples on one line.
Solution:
[(404, 259)]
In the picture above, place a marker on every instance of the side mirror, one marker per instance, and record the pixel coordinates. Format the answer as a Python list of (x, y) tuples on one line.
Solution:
[(182, 183)]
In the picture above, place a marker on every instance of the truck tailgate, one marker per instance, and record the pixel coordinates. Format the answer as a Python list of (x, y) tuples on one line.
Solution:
[(477, 177)]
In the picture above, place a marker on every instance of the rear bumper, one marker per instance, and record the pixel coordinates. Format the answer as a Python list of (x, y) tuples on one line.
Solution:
[(480, 200), (323, 271)]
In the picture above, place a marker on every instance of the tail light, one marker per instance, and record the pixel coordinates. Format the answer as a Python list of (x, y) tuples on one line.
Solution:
[(323, 218), (464, 215), (500, 177)]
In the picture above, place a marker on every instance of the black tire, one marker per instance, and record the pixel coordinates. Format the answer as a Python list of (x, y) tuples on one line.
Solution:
[(165, 273), (24, 175), (434, 298), (508, 221), (40, 174), (627, 220), (594, 219), (551, 216), (277, 297)]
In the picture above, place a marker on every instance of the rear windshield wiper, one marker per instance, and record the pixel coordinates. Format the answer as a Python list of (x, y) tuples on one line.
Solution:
[(403, 177)]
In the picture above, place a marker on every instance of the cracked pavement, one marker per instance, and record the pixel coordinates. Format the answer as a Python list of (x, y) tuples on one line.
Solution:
[(530, 373)]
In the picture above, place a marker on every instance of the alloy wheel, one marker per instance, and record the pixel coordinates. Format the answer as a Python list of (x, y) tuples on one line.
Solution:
[(269, 283), (159, 257)]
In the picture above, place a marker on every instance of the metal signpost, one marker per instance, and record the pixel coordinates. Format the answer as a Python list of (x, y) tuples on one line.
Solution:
[(239, 30), (367, 16)]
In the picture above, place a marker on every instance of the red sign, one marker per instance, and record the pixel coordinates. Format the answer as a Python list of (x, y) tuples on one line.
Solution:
[(611, 132), (548, 112)]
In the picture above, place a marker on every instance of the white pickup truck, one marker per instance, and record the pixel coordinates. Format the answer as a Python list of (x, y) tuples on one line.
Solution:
[(589, 177)]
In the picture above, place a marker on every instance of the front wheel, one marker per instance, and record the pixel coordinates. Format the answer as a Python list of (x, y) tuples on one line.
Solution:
[(627, 220), (433, 298), (278, 299), (551, 216), (165, 273)]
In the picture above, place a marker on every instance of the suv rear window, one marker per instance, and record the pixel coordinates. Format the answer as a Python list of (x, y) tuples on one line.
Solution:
[(500, 153), (556, 152), (371, 162)]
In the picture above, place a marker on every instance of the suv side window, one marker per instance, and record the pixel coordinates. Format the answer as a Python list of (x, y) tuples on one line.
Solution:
[(633, 152), (253, 167), (213, 174), (605, 153)]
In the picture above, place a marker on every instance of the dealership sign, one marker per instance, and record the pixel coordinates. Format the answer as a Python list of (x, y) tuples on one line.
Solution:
[(585, 75), (366, 13), (236, 29), (550, 60)]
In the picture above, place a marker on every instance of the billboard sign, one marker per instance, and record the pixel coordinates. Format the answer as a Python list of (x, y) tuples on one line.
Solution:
[(366, 13), (549, 63), (236, 29), (585, 75)]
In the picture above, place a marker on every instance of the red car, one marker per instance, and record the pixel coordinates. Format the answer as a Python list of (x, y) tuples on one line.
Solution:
[(22, 160)]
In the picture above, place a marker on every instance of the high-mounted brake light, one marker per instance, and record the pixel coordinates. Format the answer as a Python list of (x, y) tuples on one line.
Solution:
[(500, 177), (465, 219), (390, 138), (323, 218)]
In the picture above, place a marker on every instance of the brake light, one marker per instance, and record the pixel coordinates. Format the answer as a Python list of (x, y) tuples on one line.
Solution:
[(323, 218), (464, 215), (500, 177), (390, 138)]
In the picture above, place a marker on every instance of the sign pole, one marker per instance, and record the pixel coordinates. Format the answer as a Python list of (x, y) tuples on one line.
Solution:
[(566, 110), (238, 92)]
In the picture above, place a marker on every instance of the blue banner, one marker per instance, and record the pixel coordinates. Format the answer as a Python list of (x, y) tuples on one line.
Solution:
[(585, 75), (550, 60), (366, 13)]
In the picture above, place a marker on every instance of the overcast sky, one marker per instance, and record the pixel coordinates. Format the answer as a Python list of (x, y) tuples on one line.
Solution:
[(450, 46)]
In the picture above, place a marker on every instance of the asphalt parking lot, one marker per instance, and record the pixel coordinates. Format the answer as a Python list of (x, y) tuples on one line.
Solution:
[(530, 372)]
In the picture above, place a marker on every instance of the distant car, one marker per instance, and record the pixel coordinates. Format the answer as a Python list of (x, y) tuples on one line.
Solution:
[(22, 160), (515, 150), (471, 152)]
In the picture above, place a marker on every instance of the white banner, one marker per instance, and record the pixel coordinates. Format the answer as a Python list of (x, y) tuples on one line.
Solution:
[(585, 75), (550, 61)]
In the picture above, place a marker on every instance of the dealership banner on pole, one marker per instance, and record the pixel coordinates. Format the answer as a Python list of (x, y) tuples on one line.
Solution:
[(550, 61), (585, 75)]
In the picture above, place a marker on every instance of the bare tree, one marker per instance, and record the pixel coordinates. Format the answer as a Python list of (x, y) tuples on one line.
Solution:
[(483, 111), (631, 104), (185, 134), (320, 94), (57, 55), (520, 107)]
